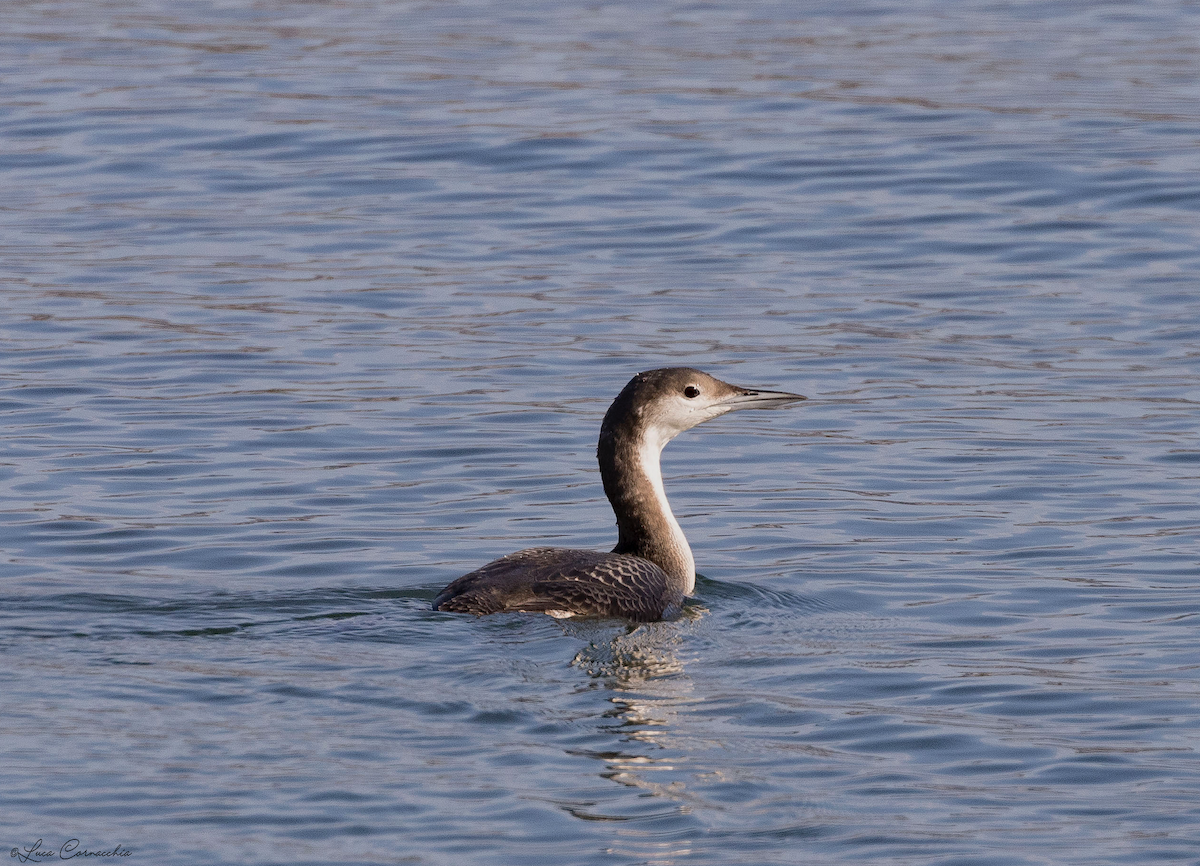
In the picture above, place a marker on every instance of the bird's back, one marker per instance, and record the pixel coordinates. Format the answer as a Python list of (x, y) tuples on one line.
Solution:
[(577, 582)]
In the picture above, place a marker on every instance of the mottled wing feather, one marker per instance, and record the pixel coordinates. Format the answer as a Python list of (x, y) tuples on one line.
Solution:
[(581, 582)]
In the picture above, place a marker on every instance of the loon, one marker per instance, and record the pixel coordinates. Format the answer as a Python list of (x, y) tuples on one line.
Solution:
[(651, 571)]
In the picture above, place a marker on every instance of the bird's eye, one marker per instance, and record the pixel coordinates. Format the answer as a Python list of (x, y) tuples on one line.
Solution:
[(691, 392)]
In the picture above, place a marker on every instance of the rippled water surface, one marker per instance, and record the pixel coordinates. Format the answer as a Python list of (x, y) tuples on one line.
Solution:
[(308, 308)]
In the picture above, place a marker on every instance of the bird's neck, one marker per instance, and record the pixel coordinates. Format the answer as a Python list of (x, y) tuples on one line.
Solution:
[(629, 467)]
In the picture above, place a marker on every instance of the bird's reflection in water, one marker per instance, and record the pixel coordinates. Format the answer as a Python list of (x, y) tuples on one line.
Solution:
[(642, 668), (634, 656)]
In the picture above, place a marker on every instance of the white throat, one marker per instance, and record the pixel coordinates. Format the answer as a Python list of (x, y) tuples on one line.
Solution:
[(649, 454)]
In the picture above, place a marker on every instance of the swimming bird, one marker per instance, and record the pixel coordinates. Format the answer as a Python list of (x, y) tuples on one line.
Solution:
[(651, 571)]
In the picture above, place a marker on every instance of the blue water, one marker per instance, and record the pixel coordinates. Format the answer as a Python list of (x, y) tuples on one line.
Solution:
[(308, 308)]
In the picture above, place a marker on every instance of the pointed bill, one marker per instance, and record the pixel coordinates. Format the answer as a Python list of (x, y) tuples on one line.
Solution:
[(754, 398)]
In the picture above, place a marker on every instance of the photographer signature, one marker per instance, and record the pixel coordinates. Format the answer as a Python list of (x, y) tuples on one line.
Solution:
[(69, 850)]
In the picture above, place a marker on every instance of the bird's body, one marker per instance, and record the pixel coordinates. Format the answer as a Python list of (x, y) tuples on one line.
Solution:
[(565, 582), (651, 571)]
